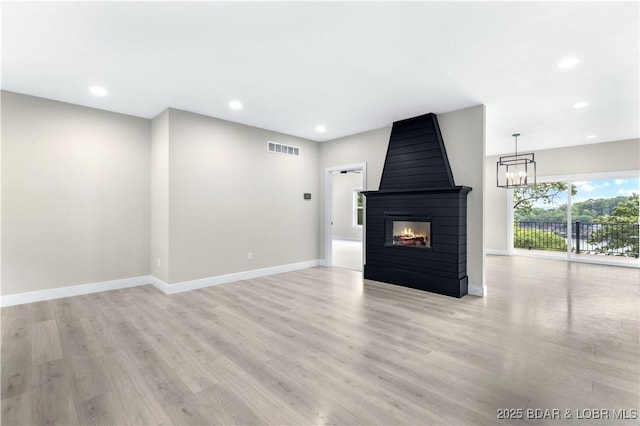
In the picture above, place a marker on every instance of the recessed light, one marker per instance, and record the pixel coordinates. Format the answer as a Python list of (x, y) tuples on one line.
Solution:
[(235, 105), (580, 105), (321, 128), (591, 136), (568, 63), (98, 91)]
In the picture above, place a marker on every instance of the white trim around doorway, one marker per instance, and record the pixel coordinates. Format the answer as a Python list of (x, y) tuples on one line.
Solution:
[(328, 203)]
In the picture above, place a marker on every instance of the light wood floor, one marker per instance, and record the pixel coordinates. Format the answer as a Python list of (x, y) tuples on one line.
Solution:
[(320, 346), (347, 254)]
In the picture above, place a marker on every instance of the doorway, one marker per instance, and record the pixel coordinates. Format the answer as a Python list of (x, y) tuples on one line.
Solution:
[(344, 234)]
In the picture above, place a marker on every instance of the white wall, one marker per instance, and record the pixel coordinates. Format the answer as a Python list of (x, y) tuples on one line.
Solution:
[(159, 244), (463, 132), (91, 196), (368, 147), (229, 197), (75, 195), (343, 186), (607, 157), (496, 209)]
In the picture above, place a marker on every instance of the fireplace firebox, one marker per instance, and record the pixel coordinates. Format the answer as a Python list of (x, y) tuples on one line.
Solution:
[(402, 230)]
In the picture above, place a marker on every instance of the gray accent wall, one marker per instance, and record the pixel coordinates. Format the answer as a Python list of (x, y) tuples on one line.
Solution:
[(75, 194)]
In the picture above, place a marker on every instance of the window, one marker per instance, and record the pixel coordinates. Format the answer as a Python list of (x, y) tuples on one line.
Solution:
[(358, 209), (596, 217)]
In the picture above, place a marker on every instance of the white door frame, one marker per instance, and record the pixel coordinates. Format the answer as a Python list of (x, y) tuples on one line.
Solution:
[(328, 203)]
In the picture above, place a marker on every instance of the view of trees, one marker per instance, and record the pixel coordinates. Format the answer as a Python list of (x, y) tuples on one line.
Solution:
[(584, 211), (537, 239), (548, 193), (614, 235), (613, 221)]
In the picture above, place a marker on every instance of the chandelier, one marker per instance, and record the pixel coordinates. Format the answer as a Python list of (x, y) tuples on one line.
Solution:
[(516, 170)]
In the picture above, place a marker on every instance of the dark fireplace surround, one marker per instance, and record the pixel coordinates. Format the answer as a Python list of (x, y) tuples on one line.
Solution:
[(416, 223)]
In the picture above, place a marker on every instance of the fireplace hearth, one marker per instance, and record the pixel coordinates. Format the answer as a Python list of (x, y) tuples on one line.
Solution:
[(416, 223)]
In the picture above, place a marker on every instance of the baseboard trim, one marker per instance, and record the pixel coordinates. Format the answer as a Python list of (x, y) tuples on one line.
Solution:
[(74, 290), (159, 284), (606, 262), (496, 252), (352, 239), (228, 278), (476, 290)]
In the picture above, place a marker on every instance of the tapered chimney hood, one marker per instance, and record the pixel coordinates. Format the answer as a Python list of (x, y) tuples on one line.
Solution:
[(416, 156)]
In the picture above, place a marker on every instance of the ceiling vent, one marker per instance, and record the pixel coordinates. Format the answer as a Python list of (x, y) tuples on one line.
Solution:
[(278, 148)]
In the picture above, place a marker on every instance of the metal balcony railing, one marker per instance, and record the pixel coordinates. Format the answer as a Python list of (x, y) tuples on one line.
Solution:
[(617, 239)]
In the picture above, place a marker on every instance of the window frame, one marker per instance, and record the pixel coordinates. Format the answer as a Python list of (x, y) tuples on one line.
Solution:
[(356, 194)]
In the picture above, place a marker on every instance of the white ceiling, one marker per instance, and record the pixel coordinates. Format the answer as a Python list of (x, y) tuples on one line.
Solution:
[(351, 66)]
